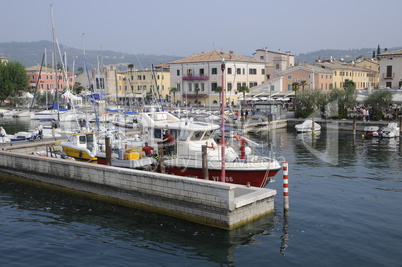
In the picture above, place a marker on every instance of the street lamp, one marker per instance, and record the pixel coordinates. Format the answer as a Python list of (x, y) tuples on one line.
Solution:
[(223, 172)]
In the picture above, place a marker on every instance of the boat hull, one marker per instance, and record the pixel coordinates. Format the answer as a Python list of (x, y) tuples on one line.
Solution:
[(257, 174), (77, 153)]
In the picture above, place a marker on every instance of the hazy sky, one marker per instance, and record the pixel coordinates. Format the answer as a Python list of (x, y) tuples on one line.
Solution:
[(179, 28)]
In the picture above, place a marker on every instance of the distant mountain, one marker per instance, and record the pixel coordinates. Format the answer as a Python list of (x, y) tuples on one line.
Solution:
[(31, 53), (346, 55)]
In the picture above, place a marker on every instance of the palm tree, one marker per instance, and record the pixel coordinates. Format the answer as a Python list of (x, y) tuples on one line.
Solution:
[(218, 89), (244, 89), (302, 84), (174, 90), (196, 90), (295, 88)]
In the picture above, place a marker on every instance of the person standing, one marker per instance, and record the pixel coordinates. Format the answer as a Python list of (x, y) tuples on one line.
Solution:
[(364, 114), (54, 129), (168, 142), (87, 125), (40, 129), (245, 115), (3, 135), (367, 115)]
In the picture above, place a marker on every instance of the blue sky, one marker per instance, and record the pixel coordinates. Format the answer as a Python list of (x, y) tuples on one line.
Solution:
[(180, 28)]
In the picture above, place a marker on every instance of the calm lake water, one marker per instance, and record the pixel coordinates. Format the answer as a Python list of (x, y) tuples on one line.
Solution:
[(345, 209)]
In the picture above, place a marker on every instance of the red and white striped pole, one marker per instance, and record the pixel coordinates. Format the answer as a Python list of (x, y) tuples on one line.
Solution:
[(285, 186)]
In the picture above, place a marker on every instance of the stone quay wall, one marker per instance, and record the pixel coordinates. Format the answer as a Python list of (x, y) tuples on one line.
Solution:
[(221, 205)]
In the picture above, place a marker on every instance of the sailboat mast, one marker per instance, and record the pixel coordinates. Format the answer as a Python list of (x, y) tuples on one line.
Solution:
[(54, 61)]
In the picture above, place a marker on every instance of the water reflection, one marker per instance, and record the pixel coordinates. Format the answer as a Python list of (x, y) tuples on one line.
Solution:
[(101, 222)]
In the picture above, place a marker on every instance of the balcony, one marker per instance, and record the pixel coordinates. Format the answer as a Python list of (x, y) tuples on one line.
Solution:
[(388, 76), (191, 77), (195, 96)]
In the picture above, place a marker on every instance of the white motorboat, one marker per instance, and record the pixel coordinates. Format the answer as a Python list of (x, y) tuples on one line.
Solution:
[(241, 165), (391, 130), (307, 126), (371, 130)]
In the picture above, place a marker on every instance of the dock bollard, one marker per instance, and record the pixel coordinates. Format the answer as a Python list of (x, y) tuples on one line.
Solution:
[(285, 186)]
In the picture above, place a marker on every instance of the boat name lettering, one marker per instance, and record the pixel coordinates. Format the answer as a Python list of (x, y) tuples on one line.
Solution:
[(218, 178)]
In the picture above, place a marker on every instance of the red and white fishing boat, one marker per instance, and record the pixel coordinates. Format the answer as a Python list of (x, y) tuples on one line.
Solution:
[(241, 165)]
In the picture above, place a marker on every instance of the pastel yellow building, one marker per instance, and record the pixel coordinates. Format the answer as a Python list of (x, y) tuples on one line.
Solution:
[(143, 85), (343, 71)]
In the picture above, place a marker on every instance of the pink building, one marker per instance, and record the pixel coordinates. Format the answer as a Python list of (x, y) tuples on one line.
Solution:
[(48, 79)]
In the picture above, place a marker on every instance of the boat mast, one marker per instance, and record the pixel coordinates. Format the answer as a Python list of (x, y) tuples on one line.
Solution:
[(54, 61), (223, 171)]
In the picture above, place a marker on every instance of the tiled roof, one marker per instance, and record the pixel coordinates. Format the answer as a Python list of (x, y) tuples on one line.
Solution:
[(397, 52), (214, 56), (37, 69)]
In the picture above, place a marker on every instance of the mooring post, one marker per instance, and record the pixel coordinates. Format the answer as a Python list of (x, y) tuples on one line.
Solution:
[(354, 124), (285, 186), (160, 158), (108, 151), (205, 174)]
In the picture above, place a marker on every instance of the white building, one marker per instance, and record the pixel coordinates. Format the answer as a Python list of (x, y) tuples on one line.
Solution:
[(203, 71)]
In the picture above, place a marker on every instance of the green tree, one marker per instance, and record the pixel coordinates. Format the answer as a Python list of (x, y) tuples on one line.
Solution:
[(218, 90), (13, 79), (174, 90), (378, 102), (309, 102), (196, 90), (244, 89), (378, 50), (302, 84), (345, 97), (78, 88)]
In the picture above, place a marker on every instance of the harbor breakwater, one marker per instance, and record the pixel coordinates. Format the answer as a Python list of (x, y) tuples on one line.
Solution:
[(221, 205)]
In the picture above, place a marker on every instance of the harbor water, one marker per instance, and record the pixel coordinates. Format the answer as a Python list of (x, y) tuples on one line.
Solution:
[(345, 209)]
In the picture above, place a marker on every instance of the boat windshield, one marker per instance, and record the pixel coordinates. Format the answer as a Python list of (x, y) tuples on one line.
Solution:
[(207, 135), (197, 136)]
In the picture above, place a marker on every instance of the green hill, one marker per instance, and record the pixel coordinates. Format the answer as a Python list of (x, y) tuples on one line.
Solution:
[(31, 54)]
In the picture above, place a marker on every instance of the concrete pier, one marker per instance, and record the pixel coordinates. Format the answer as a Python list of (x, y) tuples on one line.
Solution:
[(221, 205)]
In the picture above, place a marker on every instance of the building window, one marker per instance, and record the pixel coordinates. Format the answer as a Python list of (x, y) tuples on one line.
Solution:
[(289, 87), (244, 71), (202, 72), (252, 71), (238, 71), (178, 87), (214, 71), (277, 66), (262, 71), (388, 84), (289, 77), (238, 86), (202, 87), (143, 77), (190, 87), (178, 72), (213, 86), (389, 72), (252, 84), (229, 86), (139, 77), (262, 57), (229, 70)]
